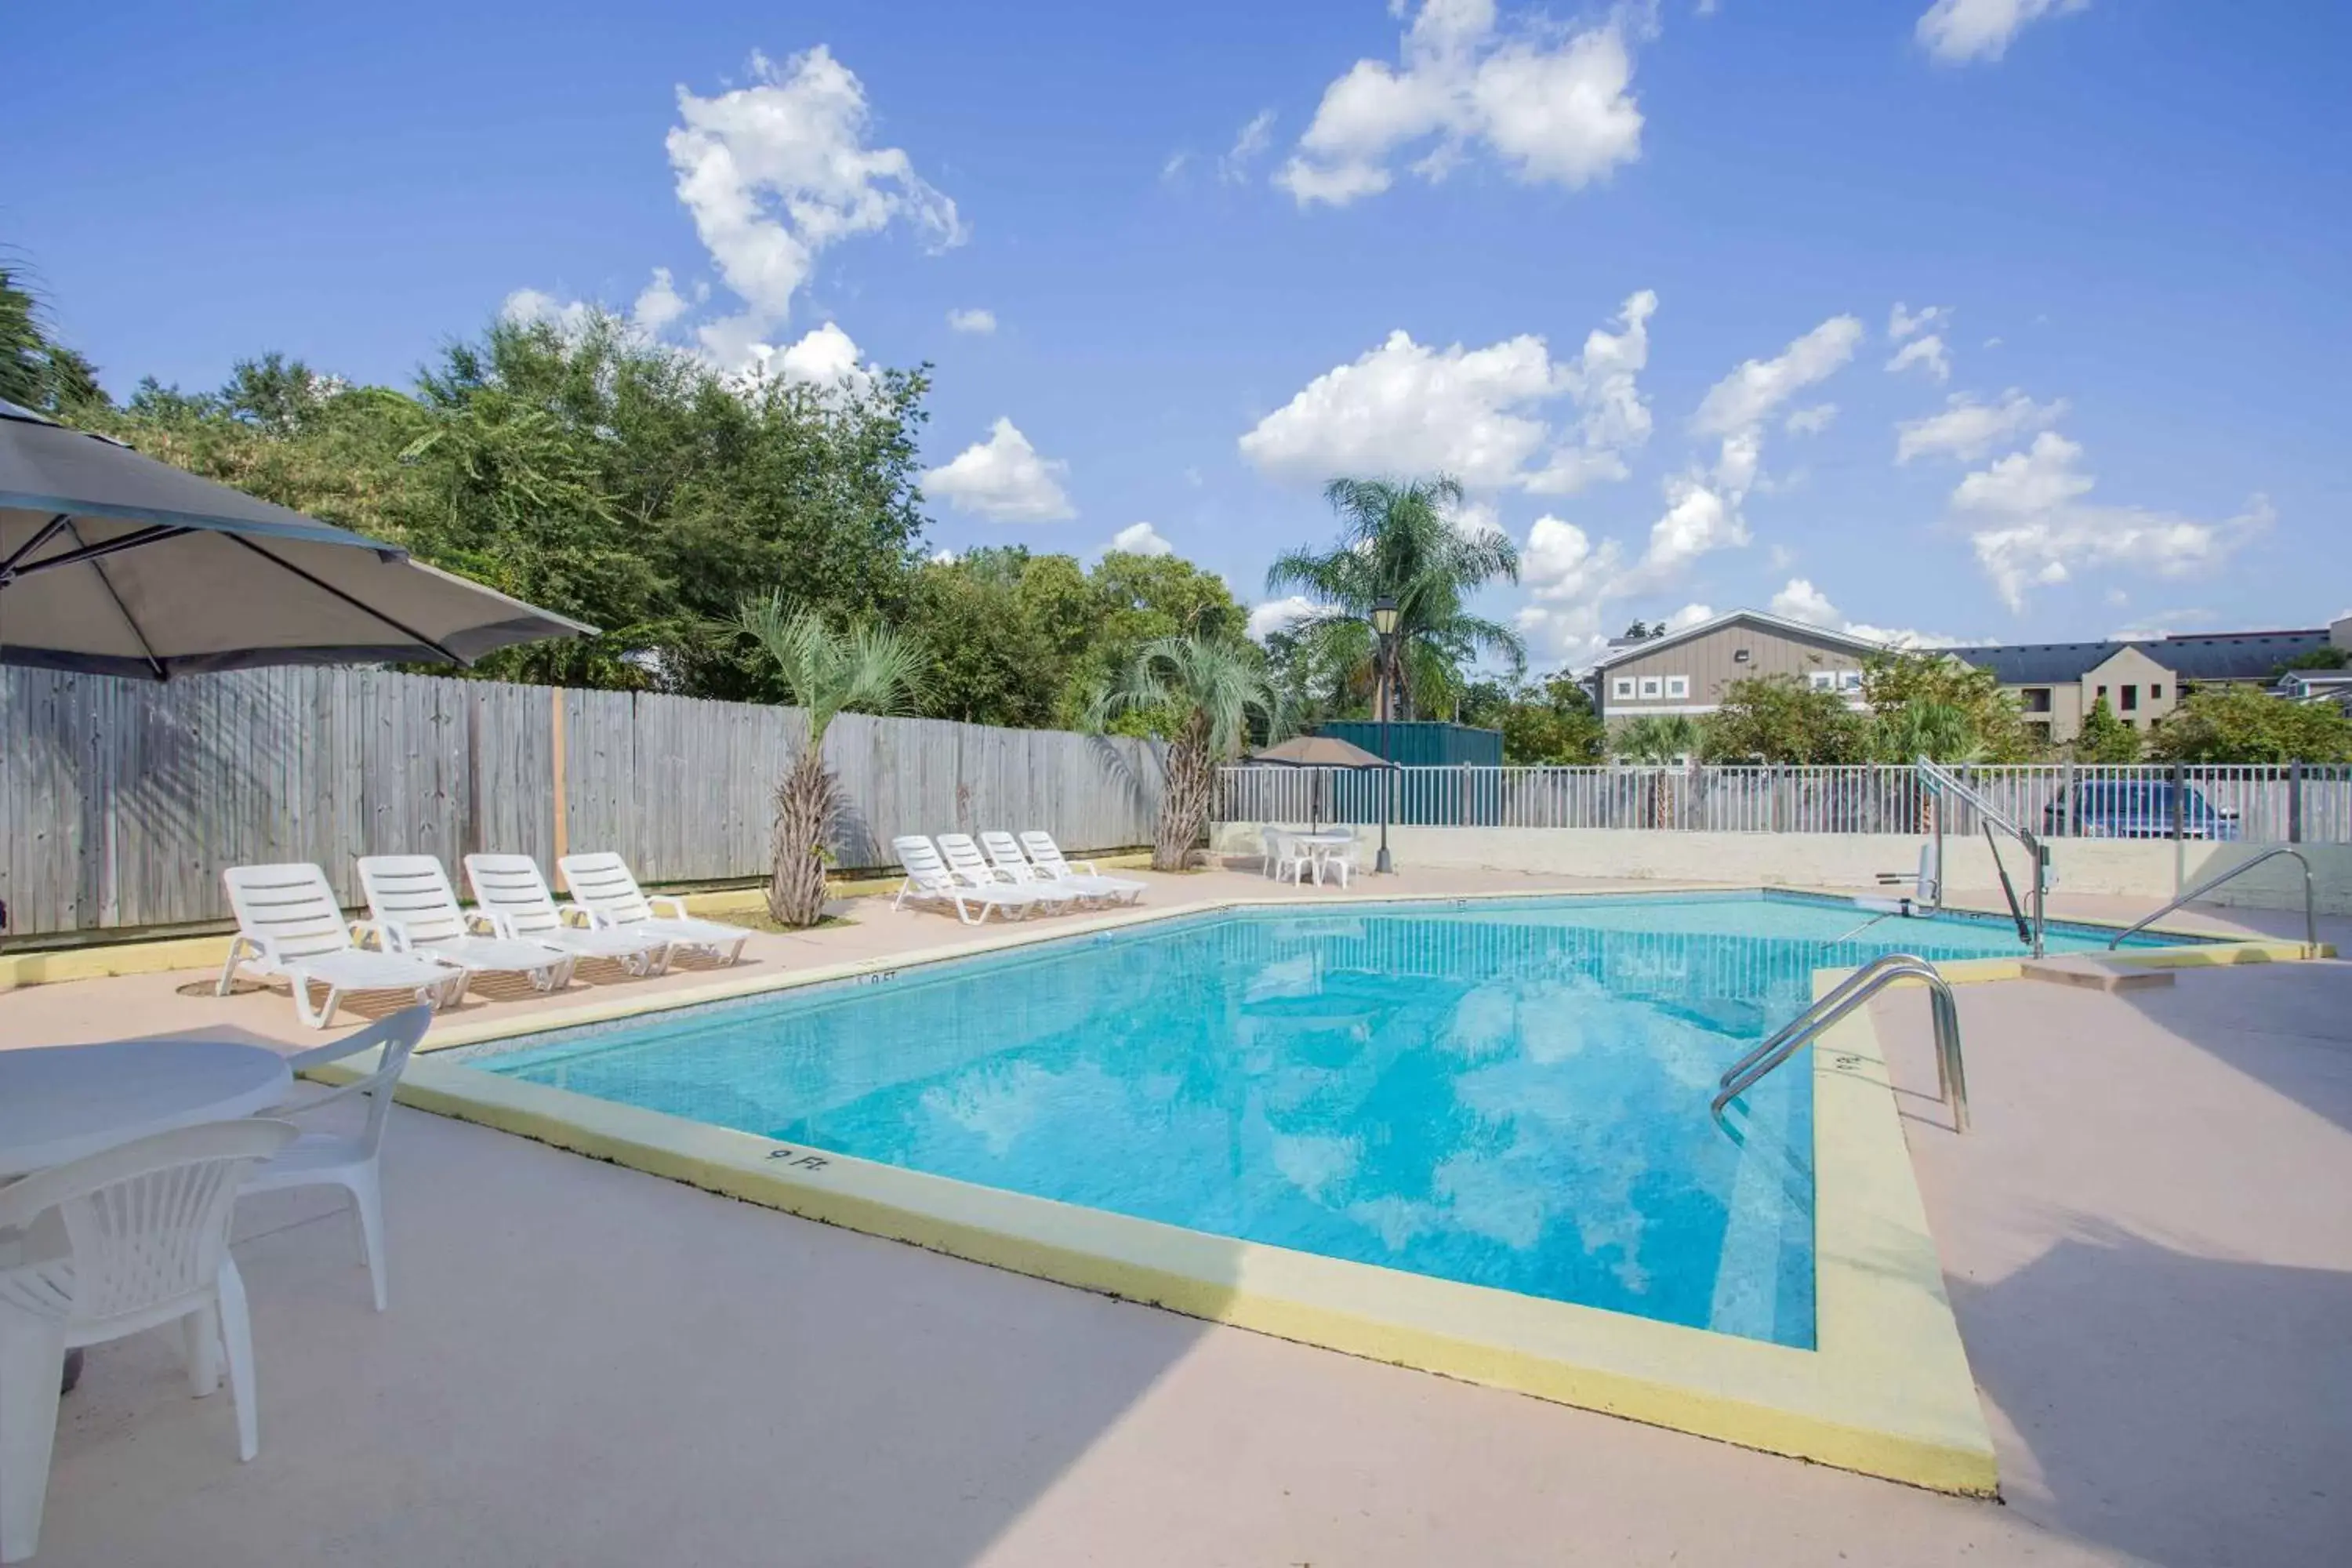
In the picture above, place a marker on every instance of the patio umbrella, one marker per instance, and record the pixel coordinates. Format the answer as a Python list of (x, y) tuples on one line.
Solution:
[(113, 563), (1316, 751)]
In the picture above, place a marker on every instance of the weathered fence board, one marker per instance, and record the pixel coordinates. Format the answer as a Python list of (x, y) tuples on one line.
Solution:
[(121, 802)]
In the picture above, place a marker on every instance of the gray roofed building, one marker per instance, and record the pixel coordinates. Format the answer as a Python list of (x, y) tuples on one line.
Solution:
[(2141, 679)]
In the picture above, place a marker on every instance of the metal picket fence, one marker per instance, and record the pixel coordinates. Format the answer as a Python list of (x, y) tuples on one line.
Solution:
[(2257, 803)]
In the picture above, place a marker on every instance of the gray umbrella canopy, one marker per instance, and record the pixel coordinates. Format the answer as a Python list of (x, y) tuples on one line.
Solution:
[(113, 563), (1316, 752)]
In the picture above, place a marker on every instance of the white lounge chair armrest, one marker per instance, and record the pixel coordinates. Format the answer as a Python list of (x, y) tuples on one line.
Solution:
[(677, 904)]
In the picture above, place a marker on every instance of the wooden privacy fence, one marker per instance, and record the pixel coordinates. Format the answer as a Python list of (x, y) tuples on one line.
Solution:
[(121, 800)]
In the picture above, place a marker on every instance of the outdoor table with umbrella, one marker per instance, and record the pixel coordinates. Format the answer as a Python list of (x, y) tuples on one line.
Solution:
[(114, 564), (1316, 752)]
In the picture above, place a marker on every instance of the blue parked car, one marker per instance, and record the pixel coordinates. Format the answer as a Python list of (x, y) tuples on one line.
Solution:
[(2136, 808)]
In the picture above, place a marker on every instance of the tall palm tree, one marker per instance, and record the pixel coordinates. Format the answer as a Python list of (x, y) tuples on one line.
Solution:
[(1399, 542), (869, 668), (1199, 694), (1658, 741)]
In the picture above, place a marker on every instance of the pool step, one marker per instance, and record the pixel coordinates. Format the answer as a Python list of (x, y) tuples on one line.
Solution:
[(2095, 974)]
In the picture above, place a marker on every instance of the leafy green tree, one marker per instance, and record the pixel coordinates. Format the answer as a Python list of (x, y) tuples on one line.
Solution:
[(36, 372), (1205, 696), (1655, 740), (2241, 724), (2103, 738), (1398, 542), (870, 669), (2327, 657), (1989, 727), (1781, 718)]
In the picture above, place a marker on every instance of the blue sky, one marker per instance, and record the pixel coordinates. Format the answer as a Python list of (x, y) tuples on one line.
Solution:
[(2117, 231)]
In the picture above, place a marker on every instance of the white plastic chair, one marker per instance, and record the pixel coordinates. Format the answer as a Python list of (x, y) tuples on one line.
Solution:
[(349, 1161), (602, 885), (929, 881), (1046, 856), (1340, 857), (410, 901), (290, 927), (1287, 855), (509, 890), (133, 1238)]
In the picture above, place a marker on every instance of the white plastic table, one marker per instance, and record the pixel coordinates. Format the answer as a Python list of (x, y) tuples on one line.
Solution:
[(60, 1102)]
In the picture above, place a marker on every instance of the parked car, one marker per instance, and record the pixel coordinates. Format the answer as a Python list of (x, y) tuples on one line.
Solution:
[(2135, 808)]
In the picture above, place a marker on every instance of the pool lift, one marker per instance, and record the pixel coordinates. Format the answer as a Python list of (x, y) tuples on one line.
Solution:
[(1945, 785)]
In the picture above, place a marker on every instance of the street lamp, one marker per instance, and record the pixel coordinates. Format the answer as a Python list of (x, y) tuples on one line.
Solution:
[(1384, 625)]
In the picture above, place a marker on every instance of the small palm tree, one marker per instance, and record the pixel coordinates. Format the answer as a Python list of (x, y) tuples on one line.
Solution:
[(1658, 741), (871, 669), (1939, 731), (1198, 693)]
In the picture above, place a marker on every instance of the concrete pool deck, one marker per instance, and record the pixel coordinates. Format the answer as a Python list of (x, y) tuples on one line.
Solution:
[(783, 1392)]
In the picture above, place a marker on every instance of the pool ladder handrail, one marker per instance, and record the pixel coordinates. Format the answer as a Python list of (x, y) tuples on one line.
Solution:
[(1940, 782), (1951, 1078), (2310, 905)]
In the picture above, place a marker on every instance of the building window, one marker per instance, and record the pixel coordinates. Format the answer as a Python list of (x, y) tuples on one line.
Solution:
[(1739, 656), (1822, 679), (1622, 688), (2155, 694), (2131, 699), (2037, 698), (1849, 680), (2103, 692), (1650, 688), (1678, 686)]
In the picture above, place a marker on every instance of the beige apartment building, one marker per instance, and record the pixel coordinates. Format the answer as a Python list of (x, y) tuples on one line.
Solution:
[(2055, 684)]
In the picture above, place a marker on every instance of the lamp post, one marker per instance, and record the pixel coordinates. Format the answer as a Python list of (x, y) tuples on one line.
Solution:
[(1384, 625)]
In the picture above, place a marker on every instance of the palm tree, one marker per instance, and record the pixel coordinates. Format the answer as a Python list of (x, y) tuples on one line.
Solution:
[(1199, 694), (869, 668), (1939, 731), (1400, 543), (1658, 741)]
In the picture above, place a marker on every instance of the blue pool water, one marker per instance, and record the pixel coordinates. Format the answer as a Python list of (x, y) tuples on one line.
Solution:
[(1506, 1093)]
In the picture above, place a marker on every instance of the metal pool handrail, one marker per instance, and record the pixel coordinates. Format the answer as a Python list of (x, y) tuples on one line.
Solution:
[(2310, 908), (1941, 781), (1951, 1079)]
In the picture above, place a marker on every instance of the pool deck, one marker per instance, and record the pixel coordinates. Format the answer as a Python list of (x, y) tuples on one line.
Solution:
[(2144, 1239)]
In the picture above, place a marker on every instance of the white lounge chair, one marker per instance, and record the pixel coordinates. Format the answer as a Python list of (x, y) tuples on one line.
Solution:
[(509, 889), (411, 900), (290, 927), (1287, 855), (133, 1238), (1046, 856), (349, 1161), (929, 880), (602, 885), (1004, 850), (972, 867)]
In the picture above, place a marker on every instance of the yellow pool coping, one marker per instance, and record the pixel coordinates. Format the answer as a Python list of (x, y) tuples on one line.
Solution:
[(1886, 1392)]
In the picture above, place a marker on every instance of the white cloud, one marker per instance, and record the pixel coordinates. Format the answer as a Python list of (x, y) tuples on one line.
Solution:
[(1477, 413), (659, 303), (1811, 421), (1958, 31), (824, 357), (1568, 578), (1475, 518), (1275, 615), (2160, 624), (1969, 429), (1901, 323), (1003, 478), (775, 173), (1746, 398), (1139, 539), (1689, 616), (1252, 142), (978, 322), (1552, 107), (1927, 353), (1174, 165), (527, 307), (943, 557), (2031, 524), (1800, 601)]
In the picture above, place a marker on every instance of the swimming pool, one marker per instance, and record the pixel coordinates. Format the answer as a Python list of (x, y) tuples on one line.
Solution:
[(1503, 1093)]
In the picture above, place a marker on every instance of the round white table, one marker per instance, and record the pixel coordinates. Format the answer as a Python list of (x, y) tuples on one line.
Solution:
[(60, 1102)]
